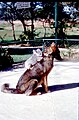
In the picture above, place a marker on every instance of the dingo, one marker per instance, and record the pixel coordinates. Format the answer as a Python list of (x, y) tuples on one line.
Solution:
[(37, 73)]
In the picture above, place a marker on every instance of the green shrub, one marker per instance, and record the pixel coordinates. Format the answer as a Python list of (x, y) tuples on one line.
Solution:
[(27, 35), (6, 60)]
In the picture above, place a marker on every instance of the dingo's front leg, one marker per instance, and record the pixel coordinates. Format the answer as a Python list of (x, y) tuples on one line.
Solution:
[(45, 84)]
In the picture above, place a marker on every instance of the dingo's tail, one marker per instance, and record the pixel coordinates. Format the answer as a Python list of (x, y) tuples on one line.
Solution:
[(5, 88)]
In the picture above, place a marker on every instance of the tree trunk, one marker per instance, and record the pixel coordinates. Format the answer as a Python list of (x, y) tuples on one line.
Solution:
[(44, 28), (24, 25), (13, 30)]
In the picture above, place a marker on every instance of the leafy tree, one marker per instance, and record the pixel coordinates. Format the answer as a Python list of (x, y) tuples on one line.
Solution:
[(6, 60), (8, 15), (45, 11), (12, 13)]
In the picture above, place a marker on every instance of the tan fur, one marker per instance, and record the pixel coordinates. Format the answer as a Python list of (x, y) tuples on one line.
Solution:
[(36, 75)]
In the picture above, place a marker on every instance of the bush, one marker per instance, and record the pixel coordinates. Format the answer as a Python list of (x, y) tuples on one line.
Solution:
[(27, 35), (6, 60)]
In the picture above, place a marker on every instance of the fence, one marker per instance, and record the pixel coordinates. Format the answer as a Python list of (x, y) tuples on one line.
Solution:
[(40, 41), (34, 44)]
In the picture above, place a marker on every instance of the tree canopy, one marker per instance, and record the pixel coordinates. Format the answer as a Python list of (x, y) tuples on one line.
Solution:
[(42, 10)]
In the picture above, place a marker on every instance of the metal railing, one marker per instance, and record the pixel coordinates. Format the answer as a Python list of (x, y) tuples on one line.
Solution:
[(40, 41)]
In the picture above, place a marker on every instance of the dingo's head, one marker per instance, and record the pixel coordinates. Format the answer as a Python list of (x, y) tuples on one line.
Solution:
[(54, 50)]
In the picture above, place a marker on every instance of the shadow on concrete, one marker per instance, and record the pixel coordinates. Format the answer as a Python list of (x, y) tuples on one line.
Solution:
[(63, 87), (59, 87)]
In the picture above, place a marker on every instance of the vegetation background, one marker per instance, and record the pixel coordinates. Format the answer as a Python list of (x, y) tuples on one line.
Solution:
[(37, 23)]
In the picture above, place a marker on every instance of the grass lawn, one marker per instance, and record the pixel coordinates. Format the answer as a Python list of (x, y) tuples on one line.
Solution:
[(6, 30), (20, 58), (7, 35)]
